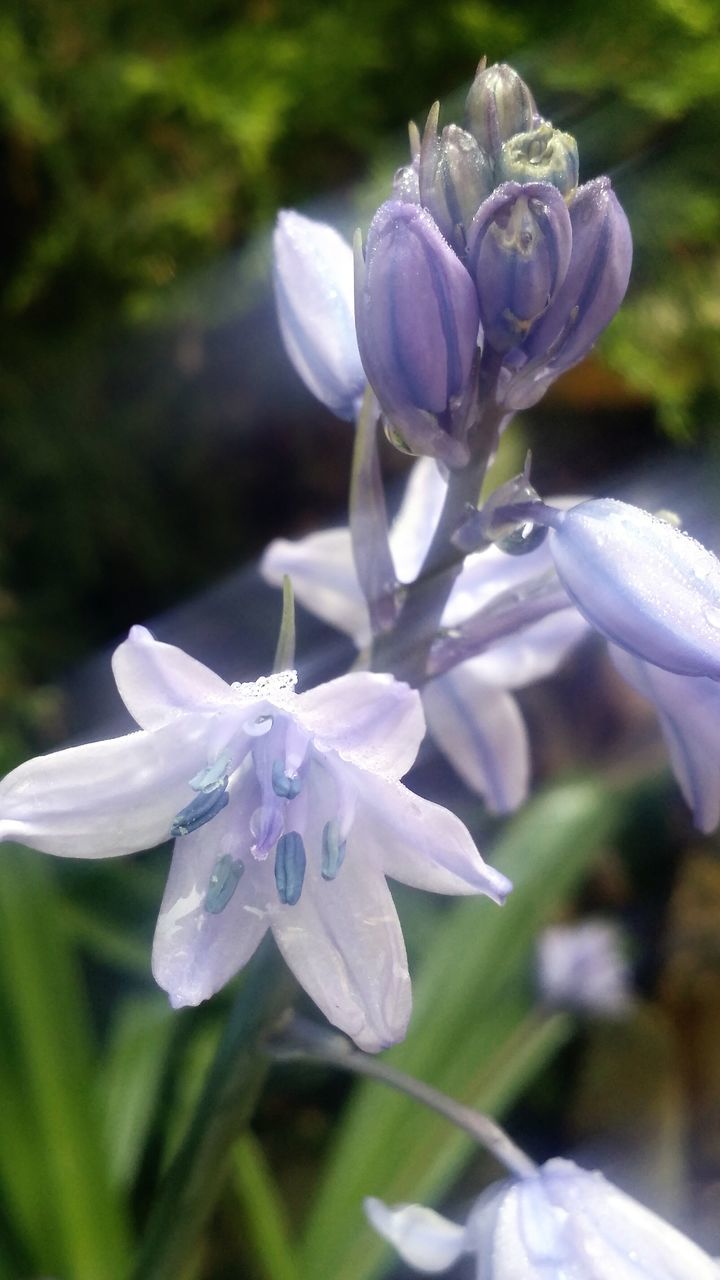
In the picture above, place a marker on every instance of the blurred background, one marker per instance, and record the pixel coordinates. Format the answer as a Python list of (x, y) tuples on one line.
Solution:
[(153, 438)]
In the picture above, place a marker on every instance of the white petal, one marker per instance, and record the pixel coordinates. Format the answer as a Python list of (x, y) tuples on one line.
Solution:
[(344, 944), (421, 843), (324, 580), (415, 522), (487, 574), (583, 966), (108, 798), (196, 951), (688, 708), (533, 653), (482, 733), (314, 290), (422, 1237), (371, 720), (157, 681)]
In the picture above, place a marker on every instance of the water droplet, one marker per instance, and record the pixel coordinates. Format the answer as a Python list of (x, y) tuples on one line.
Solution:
[(525, 538), (222, 883), (712, 615), (258, 726), (701, 571)]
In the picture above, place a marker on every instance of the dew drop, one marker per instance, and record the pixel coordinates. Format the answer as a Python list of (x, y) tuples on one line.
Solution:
[(712, 615)]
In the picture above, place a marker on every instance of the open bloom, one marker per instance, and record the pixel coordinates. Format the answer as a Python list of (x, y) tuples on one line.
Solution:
[(287, 813), (470, 710), (560, 1222)]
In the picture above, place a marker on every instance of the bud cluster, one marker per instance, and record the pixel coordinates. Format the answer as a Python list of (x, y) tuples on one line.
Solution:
[(488, 273)]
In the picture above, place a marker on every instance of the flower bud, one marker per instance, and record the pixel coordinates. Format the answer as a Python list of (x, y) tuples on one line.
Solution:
[(591, 292), (541, 155), (519, 247), (313, 278), (498, 105), (648, 587), (561, 1221), (417, 323), (455, 177)]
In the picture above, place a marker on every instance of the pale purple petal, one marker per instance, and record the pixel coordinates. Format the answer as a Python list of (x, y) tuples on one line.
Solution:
[(418, 514), (313, 276), (481, 731), (486, 574), (643, 583), (533, 653), (584, 966), (688, 708), (422, 844), (344, 944), (196, 950), (324, 580), (158, 682), (371, 720), (422, 1237), (108, 798)]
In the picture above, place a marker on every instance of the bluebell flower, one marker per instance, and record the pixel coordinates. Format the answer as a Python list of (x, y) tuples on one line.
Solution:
[(560, 1222), (470, 710), (584, 966), (313, 278), (287, 812)]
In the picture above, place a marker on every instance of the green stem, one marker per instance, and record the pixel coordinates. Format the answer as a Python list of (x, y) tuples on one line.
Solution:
[(198, 1173)]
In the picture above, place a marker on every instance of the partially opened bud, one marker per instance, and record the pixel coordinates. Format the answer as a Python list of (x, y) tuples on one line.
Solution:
[(559, 1222), (498, 105), (455, 177), (313, 278), (417, 324), (519, 249), (645, 585), (541, 155)]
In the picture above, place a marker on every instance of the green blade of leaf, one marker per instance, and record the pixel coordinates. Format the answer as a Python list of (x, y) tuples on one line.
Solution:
[(264, 1222)]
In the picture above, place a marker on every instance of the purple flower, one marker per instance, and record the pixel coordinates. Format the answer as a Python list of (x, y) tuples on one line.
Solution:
[(417, 322), (287, 813), (583, 966), (499, 105), (560, 1222), (470, 710), (313, 277)]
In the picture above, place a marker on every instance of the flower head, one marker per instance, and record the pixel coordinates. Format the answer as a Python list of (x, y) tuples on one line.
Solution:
[(287, 813), (560, 1222)]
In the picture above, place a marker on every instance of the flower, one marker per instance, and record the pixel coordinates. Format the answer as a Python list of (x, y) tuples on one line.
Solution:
[(470, 710), (313, 278), (560, 1222), (287, 813), (582, 966)]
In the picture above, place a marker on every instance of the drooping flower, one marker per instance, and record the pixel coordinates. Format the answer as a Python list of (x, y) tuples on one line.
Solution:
[(470, 710), (313, 278), (560, 1222), (583, 966), (287, 813)]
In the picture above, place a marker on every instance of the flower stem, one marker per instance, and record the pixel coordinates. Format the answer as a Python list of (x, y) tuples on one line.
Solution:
[(196, 1177), (300, 1039)]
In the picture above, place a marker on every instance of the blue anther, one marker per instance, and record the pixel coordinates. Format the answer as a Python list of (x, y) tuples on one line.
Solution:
[(214, 776), (283, 785), (200, 810), (222, 883), (333, 850), (290, 864)]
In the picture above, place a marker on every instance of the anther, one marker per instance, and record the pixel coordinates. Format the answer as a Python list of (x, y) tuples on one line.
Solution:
[(222, 883), (290, 862), (205, 806), (333, 850)]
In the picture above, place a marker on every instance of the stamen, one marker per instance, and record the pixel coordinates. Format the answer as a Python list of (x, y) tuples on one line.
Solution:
[(200, 810), (222, 884), (333, 850), (284, 785), (214, 776), (290, 862)]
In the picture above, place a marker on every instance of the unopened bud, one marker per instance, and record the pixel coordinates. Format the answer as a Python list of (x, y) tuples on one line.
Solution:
[(498, 105), (455, 177), (519, 248), (541, 155), (406, 186)]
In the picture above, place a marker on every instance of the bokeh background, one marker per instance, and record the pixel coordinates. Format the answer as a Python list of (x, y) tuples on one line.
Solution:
[(153, 438)]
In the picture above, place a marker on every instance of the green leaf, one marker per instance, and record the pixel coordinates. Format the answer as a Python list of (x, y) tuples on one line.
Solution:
[(264, 1224), (134, 1067)]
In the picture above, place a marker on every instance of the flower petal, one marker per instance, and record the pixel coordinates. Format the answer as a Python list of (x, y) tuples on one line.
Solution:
[(422, 1237), (371, 720), (420, 843), (158, 682), (644, 584), (198, 947), (324, 580), (533, 653), (344, 944), (688, 709), (417, 516), (108, 798), (313, 277), (481, 731)]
